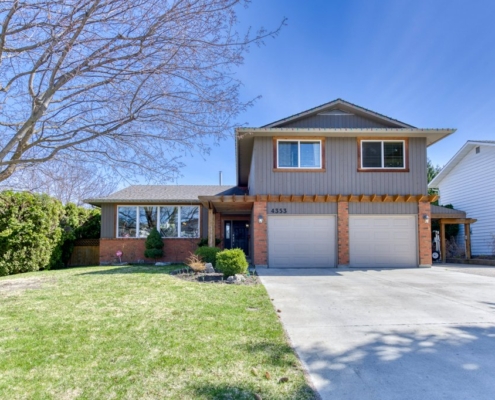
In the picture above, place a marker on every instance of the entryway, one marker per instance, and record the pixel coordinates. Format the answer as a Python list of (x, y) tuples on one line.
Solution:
[(236, 235)]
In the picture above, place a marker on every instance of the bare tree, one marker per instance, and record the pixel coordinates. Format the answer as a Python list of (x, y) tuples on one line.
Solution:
[(63, 180), (123, 83)]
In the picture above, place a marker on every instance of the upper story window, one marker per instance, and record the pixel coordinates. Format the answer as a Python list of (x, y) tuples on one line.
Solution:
[(382, 155), (299, 154), (171, 221)]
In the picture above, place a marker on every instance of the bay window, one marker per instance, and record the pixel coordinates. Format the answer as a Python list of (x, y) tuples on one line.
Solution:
[(170, 221)]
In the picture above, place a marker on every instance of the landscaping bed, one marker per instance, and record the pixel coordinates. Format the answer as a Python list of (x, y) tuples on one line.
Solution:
[(132, 332), (215, 277)]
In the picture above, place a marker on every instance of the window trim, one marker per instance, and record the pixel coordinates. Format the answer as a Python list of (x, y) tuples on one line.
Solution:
[(383, 140), (158, 206), (299, 139)]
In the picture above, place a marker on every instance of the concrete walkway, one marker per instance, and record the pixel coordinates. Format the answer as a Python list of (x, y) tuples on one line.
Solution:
[(391, 334)]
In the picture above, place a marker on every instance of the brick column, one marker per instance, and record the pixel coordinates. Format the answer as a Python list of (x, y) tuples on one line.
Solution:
[(424, 234), (343, 232), (260, 251)]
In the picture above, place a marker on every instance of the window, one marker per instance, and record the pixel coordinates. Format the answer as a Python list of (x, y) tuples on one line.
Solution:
[(298, 154), (383, 155), (171, 221)]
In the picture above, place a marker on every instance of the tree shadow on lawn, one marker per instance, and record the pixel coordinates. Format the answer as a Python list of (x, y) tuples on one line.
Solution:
[(428, 361), (136, 269)]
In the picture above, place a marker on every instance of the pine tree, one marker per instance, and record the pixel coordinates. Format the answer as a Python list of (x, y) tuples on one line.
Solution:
[(154, 245)]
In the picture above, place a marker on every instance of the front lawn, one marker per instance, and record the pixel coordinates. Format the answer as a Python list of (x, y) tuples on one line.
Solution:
[(138, 333)]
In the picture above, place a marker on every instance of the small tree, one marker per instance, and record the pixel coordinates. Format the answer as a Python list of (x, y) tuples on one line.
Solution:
[(154, 245)]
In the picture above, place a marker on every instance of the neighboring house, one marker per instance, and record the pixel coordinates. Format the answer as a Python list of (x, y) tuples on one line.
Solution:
[(334, 185), (468, 182)]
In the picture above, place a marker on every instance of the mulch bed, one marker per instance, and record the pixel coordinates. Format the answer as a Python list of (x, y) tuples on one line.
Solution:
[(214, 277)]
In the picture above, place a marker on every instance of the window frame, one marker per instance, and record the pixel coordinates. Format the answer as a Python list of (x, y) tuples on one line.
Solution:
[(277, 168), (158, 206), (382, 140)]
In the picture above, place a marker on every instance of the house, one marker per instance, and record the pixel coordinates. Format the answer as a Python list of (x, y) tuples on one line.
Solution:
[(334, 185), (468, 182)]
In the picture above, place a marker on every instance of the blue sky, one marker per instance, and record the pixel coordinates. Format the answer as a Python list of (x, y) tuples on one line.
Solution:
[(428, 63)]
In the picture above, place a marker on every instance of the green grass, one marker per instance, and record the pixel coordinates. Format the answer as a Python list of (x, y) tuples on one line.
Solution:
[(136, 332)]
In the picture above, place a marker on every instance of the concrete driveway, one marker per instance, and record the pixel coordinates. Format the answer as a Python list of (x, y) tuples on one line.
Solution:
[(391, 334)]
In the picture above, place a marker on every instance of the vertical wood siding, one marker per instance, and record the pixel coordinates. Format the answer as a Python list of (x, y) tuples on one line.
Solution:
[(335, 121), (108, 221), (304, 208), (383, 208), (341, 176), (470, 187), (204, 221)]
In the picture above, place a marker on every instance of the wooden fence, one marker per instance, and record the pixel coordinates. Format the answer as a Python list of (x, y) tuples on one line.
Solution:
[(86, 252)]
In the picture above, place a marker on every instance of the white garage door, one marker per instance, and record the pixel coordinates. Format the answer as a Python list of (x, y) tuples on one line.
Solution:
[(301, 241), (383, 241)]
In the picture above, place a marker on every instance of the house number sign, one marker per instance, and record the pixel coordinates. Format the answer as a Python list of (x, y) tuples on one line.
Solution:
[(279, 211)]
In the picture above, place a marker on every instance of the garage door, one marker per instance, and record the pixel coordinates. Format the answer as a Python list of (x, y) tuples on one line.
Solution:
[(301, 241), (383, 241)]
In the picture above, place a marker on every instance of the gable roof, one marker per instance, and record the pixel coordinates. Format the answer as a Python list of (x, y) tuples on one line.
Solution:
[(165, 193), (468, 146), (339, 107)]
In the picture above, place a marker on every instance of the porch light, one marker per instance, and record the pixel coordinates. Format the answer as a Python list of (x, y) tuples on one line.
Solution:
[(247, 225), (426, 218), (260, 219)]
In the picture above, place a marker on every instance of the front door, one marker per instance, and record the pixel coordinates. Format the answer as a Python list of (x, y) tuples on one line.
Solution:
[(236, 235)]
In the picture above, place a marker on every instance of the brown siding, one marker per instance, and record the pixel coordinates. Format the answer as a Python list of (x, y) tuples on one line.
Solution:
[(304, 208), (383, 208), (334, 121), (341, 176), (204, 222), (108, 221)]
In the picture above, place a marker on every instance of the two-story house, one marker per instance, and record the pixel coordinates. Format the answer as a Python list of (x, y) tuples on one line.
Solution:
[(334, 185)]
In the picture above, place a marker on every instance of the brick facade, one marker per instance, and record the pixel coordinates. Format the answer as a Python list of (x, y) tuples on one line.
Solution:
[(260, 250), (343, 232), (175, 250), (424, 234)]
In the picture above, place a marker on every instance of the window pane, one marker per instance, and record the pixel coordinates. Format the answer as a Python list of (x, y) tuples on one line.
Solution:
[(394, 154), (169, 219), (127, 222), (371, 154), (287, 154), (147, 220), (310, 154), (189, 219)]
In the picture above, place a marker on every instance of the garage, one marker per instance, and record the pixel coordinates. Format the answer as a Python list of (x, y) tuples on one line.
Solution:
[(302, 241), (383, 241)]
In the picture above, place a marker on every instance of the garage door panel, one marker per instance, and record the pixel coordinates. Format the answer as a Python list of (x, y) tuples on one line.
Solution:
[(383, 241), (301, 241)]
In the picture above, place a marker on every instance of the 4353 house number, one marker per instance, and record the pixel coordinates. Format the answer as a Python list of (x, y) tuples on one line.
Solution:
[(279, 210)]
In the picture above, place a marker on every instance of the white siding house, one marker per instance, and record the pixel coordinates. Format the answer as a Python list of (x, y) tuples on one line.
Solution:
[(468, 182)]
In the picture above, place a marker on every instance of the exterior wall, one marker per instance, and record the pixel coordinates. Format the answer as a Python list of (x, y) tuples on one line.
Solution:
[(252, 176), (424, 235), (175, 250), (341, 176), (383, 208), (108, 222), (304, 208), (343, 233), (469, 187), (260, 249), (334, 121), (204, 222)]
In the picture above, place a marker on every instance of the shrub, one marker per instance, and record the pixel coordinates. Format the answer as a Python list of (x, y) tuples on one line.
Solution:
[(154, 245), (232, 262), (195, 263), (75, 223), (29, 231), (204, 242), (208, 254)]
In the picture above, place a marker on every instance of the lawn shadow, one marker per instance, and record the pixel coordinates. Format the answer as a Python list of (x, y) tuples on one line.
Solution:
[(216, 391), (449, 362), (135, 269)]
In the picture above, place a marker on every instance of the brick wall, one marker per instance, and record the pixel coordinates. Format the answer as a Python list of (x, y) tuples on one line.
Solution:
[(260, 250), (424, 234), (343, 232), (175, 250)]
